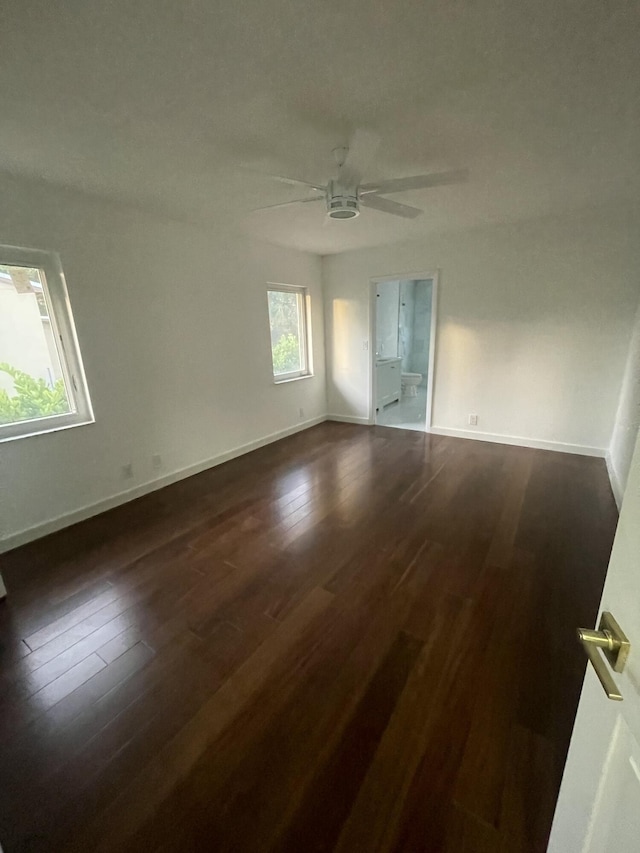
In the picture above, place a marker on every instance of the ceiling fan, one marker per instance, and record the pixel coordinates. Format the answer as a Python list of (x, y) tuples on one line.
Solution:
[(344, 194)]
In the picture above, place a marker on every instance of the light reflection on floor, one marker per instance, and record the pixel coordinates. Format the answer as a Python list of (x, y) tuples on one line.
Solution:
[(43, 669), (408, 413)]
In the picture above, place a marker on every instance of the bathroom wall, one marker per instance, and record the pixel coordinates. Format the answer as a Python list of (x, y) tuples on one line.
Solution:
[(387, 318), (419, 361), (405, 323)]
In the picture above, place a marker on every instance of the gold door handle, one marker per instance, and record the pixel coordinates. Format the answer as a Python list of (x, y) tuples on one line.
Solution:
[(615, 647)]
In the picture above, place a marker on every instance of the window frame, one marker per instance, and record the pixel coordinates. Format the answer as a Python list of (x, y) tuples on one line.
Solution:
[(304, 321), (54, 289)]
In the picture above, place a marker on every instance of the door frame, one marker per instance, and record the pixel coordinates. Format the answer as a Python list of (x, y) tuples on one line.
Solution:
[(433, 276)]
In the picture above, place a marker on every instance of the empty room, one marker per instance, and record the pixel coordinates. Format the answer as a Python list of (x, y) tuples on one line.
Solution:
[(319, 407)]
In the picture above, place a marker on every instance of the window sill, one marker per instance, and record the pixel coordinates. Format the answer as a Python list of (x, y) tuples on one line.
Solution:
[(293, 379), (46, 429)]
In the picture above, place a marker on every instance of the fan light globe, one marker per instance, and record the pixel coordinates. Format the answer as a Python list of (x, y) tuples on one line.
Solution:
[(343, 213), (342, 202)]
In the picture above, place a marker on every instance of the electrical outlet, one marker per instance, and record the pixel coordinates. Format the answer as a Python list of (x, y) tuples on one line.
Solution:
[(127, 471), (365, 346), (301, 412), (473, 420), (156, 461)]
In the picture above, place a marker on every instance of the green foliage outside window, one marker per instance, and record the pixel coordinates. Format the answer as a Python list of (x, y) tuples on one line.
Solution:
[(286, 354), (284, 320), (33, 398)]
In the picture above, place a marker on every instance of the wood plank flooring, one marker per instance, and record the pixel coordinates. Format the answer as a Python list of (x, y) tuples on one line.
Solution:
[(355, 639)]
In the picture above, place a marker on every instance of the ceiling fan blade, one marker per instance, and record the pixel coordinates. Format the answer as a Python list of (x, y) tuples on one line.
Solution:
[(385, 205), (362, 149), (287, 203), (296, 183), (285, 179), (416, 182)]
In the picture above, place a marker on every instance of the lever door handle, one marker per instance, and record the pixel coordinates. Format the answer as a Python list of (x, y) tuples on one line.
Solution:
[(615, 649), (608, 684)]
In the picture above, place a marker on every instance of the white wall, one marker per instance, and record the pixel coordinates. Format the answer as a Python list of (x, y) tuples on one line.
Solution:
[(627, 420), (534, 322), (173, 327)]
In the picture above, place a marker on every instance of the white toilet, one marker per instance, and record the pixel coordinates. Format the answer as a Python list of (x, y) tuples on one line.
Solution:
[(410, 382)]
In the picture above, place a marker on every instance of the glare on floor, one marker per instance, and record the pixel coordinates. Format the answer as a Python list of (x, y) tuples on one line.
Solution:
[(407, 413)]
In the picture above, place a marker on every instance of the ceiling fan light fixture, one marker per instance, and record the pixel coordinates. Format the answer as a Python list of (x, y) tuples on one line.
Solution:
[(343, 213), (341, 204)]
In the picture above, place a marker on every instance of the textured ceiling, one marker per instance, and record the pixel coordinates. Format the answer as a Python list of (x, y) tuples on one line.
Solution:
[(171, 105)]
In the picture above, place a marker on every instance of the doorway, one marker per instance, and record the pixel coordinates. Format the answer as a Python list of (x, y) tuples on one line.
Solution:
[(403, 327)]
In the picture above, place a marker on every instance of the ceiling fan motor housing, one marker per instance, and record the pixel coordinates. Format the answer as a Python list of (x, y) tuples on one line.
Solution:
[(342, 201)]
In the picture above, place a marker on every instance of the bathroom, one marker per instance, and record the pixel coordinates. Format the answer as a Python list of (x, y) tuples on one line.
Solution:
[(403, 350)]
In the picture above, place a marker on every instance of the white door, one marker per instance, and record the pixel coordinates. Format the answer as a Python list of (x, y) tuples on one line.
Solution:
[(598, 808)]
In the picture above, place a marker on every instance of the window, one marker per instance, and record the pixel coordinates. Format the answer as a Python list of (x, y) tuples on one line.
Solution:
[(288, 307), (42, 382)]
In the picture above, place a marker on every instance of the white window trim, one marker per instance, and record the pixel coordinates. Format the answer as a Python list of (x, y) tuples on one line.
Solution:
[(61, 317), (305, 323)]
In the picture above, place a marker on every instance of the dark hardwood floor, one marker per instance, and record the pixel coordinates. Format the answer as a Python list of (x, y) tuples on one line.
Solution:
[(356, 639)]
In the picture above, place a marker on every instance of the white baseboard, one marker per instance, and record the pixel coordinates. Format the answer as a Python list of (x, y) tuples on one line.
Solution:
[(14, 540), (616, 485), (517, 440), (521, 441), (349, 419)]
